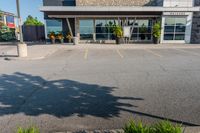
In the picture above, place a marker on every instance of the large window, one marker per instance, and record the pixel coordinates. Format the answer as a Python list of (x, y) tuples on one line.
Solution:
[(86, 29), (175, 28), (1, 18), (104, 29), (69, 2), (142, 29), (54, 25)]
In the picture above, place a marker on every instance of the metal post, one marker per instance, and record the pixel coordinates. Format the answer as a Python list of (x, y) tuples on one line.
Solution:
[(19, 21), (21, 47)]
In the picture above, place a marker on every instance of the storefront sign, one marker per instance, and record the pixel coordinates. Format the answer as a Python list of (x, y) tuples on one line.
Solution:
[(176, 13), (127, 31)]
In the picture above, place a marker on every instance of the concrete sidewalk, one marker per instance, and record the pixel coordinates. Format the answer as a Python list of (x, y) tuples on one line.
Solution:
[(35, 52), (42, 51)]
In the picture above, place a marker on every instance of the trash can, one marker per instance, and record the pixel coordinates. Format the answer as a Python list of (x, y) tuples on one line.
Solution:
[(75, 40)]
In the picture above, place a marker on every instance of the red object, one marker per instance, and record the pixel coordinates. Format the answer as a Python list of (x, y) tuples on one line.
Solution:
[(11, 25)]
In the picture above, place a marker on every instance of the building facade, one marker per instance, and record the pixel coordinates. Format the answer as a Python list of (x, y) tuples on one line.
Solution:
[(8, 19), (92, 20)]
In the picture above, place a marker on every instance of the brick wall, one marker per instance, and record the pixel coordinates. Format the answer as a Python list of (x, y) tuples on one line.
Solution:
[(195, 36)]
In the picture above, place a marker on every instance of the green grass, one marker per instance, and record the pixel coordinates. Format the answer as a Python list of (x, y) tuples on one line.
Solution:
[(28, 130), (161, 127), (167, 127)]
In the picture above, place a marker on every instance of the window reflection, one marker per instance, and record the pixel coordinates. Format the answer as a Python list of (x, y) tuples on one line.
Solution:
[(175, 28), (86, 29), (54, 25)]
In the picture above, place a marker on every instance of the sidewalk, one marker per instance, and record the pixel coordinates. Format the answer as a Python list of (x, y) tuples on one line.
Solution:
[(36, 52)]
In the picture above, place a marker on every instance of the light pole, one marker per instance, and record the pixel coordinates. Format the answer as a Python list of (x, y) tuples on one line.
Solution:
[(21, 47)]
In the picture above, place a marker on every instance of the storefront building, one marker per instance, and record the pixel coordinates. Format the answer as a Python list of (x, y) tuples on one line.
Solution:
[(92, 20), (8, 19)]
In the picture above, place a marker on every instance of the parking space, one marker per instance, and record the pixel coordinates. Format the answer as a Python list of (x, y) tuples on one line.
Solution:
[(90, 54), (101, 88)]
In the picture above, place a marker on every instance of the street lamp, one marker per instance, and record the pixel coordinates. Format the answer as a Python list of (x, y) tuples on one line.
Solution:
[(21, 47)]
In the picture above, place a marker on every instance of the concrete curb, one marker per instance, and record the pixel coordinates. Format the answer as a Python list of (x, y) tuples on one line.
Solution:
[(185, 130), (31, 58)]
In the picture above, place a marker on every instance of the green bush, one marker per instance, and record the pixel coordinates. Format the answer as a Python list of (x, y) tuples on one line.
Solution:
[(133, 127), (117, 31), (28, 130), (6, 34), (161, 127), (166, 127), (157, 30), (32, 21)]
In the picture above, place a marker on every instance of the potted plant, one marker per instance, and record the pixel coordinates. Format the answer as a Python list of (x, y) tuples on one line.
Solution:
[(60, 37), (143, 30), (52, 37), (156, 32), (69, 37), (118, 32)]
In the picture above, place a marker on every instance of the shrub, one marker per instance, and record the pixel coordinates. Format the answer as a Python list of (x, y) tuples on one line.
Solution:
[(6, 34), (161, 127), (133, 127), (28, 130), (157, 30), (117, 31), (33, 21), (166, 127)]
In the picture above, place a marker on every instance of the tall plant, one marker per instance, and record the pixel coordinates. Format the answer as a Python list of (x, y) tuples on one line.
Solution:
[(157, 32), (117, 31)]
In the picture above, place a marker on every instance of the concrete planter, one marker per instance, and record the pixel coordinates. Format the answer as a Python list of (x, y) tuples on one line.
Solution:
[(22, 50), (119, 40)]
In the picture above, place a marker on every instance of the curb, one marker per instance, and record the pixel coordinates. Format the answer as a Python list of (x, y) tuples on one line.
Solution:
[(185, 130), (29, 58)]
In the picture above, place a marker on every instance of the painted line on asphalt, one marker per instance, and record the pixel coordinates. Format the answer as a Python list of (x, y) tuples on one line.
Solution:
[(152, 52), (86, 54), (188, 52), (119, 53)]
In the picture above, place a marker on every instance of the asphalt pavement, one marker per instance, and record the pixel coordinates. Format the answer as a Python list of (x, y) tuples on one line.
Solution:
[(89, 89)]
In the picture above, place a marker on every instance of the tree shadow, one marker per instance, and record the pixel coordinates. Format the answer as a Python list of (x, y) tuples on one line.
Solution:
[(33, 95)]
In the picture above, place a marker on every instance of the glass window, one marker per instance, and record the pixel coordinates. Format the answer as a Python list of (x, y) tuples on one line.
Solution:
[(179, 36), (86, 29), (180, 28), (181, 21), (104, 28), (69, 2), (1, 18), (175, 28), (54, 25), (168, 36), (170, 21)]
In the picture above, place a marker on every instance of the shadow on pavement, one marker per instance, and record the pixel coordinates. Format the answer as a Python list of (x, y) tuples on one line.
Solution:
[(33, 96)]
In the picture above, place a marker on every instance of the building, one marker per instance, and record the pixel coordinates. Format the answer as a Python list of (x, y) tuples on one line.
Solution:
[(8, 19), (91, 20)]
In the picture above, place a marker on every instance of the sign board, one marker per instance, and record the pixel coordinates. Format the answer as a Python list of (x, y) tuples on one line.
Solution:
[(176, 13), (127, 31)]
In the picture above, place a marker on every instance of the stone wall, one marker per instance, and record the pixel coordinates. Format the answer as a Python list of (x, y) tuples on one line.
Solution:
[(197, 2), (119, 2), (195, 36)]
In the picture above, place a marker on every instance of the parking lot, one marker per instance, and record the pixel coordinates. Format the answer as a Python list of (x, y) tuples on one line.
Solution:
[(90, 88)]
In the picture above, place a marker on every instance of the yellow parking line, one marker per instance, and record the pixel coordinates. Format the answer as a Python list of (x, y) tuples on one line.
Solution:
[(119, 53), (86, 54), (189, 52), (154, 53)]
